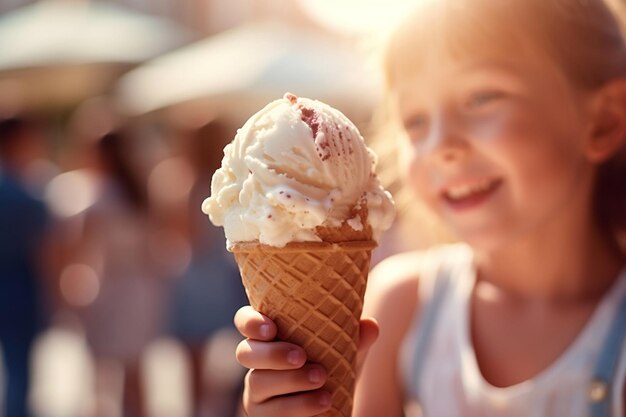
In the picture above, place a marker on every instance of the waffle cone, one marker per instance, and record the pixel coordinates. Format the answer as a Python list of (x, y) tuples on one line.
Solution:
[(313, 291)]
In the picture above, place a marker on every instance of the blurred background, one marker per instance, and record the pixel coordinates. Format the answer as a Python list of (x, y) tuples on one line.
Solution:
[(116, 293)]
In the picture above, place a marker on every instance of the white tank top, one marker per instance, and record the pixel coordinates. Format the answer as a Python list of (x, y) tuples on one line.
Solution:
[(450, 383)]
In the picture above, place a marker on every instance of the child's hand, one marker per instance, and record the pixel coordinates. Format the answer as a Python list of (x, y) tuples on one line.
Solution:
[(279, 368)]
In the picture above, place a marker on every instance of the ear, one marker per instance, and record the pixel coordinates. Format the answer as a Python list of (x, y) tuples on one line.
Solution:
[(608, 132)]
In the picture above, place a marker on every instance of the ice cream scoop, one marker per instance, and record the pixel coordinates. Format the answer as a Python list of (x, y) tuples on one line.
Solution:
[(296, 165)]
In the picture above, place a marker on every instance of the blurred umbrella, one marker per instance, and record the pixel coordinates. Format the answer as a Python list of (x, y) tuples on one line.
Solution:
[(55, 53), (239, 70)]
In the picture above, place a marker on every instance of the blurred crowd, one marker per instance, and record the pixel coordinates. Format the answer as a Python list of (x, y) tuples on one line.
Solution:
[(102, 237)]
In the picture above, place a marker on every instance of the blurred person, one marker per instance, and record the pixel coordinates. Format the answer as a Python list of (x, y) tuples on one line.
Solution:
[(523, 157), (108, 272), (27, 155), (23, 222), (209, 290)]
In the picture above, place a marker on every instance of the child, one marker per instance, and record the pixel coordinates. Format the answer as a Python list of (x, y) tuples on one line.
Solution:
[(514, 114)]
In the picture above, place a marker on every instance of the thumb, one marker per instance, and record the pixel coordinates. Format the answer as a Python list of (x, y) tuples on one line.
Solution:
[(368, 334)]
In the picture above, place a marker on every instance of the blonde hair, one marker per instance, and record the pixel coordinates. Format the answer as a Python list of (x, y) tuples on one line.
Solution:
[(583, 37)]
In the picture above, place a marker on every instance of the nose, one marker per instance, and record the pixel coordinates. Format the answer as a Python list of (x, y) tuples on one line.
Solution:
[(445, 142)]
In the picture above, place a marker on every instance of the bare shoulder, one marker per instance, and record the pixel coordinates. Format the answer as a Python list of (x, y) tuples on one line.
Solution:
[(393, 292)]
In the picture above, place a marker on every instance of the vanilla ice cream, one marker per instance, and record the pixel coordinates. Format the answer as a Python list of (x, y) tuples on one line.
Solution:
[(296, 165)]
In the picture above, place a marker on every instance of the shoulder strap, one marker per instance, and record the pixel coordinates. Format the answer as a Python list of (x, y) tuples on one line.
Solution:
[(600, 390), (427, 325)]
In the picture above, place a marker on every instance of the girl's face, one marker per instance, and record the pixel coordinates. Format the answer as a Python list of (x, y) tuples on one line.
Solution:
[(493, 144)]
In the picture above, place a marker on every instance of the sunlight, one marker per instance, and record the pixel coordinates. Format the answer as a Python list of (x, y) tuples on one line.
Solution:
[(357, 16)]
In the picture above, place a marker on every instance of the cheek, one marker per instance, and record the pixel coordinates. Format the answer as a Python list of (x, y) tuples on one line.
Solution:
[(527, 139), (540, 159), (416, 176), (500, 126), (408, 164)]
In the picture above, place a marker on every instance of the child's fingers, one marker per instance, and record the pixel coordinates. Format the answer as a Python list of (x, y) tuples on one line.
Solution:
[(305, 404), (261, 385), (254, 325), (270, 355)]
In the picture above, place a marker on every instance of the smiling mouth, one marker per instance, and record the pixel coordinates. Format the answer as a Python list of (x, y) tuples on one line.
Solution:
[(470, 194)]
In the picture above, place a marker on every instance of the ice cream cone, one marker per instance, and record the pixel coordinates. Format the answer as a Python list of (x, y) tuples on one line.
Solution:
[(302, 209), (314, 293)]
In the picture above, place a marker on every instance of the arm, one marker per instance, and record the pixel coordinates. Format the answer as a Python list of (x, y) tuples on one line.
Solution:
[(391, 299)]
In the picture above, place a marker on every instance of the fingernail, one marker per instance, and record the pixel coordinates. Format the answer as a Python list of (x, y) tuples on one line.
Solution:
[(265, 330), (294, 357), (315, 375), (325, 399)]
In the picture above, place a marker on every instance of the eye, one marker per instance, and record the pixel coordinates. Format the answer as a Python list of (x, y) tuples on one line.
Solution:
[(416, 127), (483, 97), (418, 121)]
